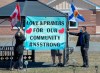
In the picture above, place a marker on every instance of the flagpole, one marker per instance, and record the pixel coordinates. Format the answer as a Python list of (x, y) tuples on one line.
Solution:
[(65, 52), (67, 45)]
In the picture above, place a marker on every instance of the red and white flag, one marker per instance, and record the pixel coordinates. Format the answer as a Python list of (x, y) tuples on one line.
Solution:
[(15, 16)]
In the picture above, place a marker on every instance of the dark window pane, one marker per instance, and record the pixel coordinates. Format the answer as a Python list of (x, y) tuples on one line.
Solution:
[(72, 24)]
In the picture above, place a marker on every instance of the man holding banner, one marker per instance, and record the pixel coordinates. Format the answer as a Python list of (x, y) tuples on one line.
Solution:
[(83, 42), (83, 36)]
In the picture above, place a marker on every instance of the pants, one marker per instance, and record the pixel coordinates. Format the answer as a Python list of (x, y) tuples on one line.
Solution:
[(56, 53), (18, 58), (84, 52)]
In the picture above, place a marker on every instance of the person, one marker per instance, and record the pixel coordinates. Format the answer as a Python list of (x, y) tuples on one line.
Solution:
[(18, 49), (55, 53), (83, 42)]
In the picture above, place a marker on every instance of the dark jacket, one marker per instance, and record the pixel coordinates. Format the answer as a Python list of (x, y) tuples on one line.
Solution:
[(83, 39), (19, 47)]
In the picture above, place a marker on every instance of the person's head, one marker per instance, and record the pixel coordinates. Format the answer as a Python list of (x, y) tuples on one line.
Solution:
[(83, 29)]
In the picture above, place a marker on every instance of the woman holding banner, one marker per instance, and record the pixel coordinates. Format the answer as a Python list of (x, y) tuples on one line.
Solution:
[(18, 49)]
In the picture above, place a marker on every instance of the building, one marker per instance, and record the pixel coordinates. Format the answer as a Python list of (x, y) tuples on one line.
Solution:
[(90, 9)]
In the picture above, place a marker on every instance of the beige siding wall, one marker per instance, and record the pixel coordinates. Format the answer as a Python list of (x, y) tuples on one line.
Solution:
[(97, 29), (44, 1), (59, 4), (5, 2), (98, 18), (98, 22), (64, 4)]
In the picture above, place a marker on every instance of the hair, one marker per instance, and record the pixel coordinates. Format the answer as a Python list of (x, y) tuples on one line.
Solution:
[(84, 27)]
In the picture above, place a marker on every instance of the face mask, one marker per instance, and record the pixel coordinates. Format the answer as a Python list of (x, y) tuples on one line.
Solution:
[(80, 30)]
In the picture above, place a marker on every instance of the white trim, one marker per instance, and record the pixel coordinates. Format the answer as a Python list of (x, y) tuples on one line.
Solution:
[(97, 8), (51, 2), (73, 27), (18, 27), (97, 32)]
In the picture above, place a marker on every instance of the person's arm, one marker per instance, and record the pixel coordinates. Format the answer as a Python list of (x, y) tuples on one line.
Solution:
[(22, 37), (73, 33)]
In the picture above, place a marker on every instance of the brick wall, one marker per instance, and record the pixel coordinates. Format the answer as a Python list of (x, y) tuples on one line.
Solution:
[(88, 14), (90, 17), (90, 29), (98, 18), (7, 30)]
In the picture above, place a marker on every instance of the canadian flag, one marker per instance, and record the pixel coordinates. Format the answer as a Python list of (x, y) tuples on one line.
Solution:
[(15, 16)]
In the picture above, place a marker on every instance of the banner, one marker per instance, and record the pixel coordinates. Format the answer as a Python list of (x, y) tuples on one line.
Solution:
[(45, 33)]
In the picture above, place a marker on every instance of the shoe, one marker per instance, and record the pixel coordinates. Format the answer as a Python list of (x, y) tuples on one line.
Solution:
[(83, 66), (86, 66), (60, 65), (54, 65), (12, 69), (20, 68)]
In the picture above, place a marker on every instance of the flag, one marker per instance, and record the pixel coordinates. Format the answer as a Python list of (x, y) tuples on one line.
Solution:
[(15, 16), (74, 15)]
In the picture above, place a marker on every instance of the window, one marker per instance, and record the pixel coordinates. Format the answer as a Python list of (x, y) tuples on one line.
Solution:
[(73, 24)]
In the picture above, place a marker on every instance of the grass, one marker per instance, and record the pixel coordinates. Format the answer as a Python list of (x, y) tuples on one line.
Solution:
[(94, 59)]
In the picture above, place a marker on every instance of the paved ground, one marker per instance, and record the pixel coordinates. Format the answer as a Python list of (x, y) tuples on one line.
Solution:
[(94, 43)]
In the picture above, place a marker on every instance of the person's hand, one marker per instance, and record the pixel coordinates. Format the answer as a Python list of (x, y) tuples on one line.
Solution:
[(67, 31), (21, 31)]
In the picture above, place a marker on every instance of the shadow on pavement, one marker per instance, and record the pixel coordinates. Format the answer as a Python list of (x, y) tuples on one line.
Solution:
[(6, 64)]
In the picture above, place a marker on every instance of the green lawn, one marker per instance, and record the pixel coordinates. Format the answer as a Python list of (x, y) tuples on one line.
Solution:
[(94, 59)]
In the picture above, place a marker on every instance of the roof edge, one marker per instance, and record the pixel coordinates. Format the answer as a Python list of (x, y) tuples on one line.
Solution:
[(89, 2)]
